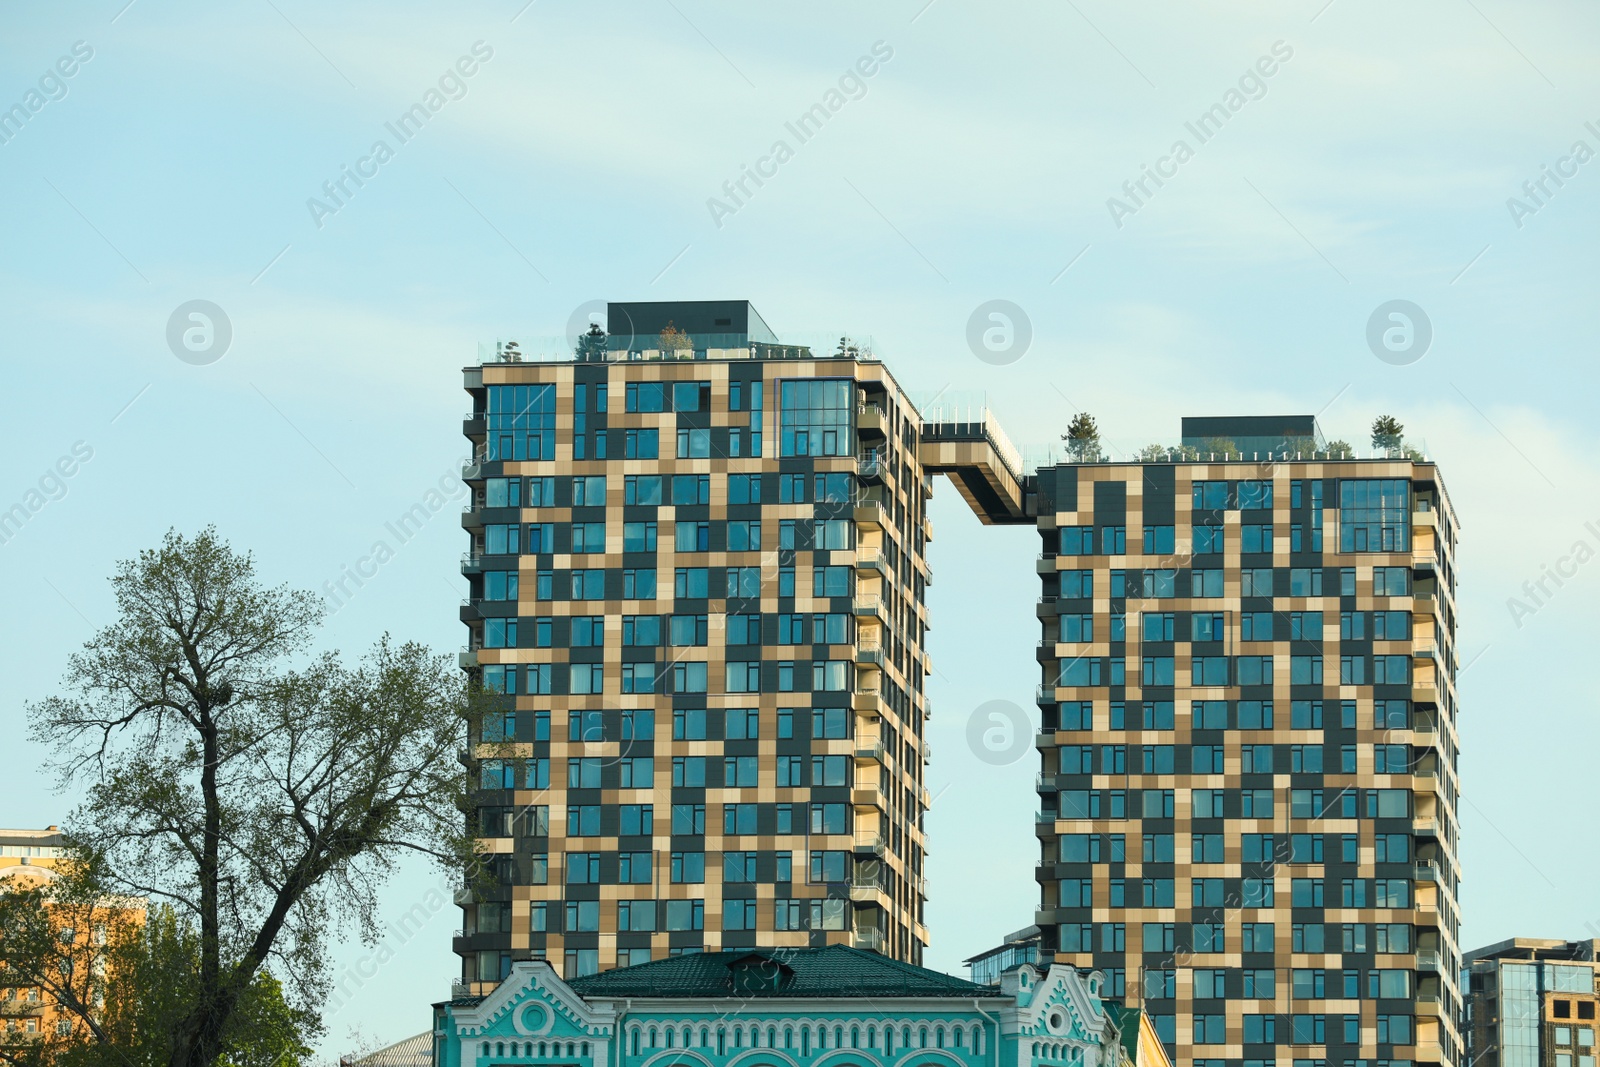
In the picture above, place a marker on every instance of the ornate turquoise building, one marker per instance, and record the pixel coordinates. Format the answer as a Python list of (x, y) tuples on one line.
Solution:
[(810, 1007)]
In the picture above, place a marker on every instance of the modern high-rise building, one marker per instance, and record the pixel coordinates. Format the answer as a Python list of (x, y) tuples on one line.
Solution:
[(1532, 1002), (1249, 791), (698, 573)]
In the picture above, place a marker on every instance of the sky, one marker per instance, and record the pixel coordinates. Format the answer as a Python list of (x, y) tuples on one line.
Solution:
[(1358, 153)]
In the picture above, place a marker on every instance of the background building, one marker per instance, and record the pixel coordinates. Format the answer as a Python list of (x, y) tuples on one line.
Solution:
[(1532, 1003), (1019, 947), (33, 860), (28, 858), (39, 850), (698, 572), (1248, 788)]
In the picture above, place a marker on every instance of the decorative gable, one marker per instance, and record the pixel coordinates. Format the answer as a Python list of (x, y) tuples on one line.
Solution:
[(1065, 1006), (533, 1001)]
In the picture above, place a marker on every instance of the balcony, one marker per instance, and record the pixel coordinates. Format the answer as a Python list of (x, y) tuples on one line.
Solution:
[(471, 563), (873, 560), (1429, 960), (1425, 689), (471, 518), (1045, 565), (1426, 872), (869, 749), (866, 699), (870, 467), (1045, 694), (1430, 1052), (865, 891), (870, 940), (868, 797), (1046, 607), (871, 512), (472, 471), (869, 842), (927, 751), (870, 604), (870, 419), (467, 659), (869, 655)]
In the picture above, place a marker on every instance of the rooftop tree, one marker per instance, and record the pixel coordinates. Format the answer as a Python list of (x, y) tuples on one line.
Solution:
[(1083, 438)]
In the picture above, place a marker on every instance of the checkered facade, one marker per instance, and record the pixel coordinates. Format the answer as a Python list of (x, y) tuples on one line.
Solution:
[(1249, 790), (699, 585)]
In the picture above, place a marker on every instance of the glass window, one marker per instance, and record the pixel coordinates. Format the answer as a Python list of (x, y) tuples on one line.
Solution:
[(522, 422), (1374, 515), (816, 417)]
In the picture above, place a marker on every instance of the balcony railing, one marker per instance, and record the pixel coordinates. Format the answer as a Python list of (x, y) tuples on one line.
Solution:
[(870, 604), (871, 842)]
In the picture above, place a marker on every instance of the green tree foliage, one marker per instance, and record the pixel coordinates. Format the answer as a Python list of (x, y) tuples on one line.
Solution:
[(1083, 438), (591, 347), (1387, 433), (262, 794)]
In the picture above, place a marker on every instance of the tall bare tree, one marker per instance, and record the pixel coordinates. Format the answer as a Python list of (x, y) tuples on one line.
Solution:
[(263, 793)]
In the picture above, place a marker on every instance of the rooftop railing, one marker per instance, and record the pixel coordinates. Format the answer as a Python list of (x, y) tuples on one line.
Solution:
[(625, 348)]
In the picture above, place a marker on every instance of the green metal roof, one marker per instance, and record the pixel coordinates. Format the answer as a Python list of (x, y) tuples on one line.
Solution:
[(832, 971), (1127, 1020)]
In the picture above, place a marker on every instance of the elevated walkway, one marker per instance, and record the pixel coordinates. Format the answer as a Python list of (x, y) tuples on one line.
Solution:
[(984, 466)]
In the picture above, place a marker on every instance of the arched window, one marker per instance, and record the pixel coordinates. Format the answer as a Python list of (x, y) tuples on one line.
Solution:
[(635, 1041), (788, 1037), (855, 1037), (722, 1041), (922, 1037), (652, 1037), (838, 1037), (938, 1036), (958, 1035), (888, 1040), (486, 1048), (500, 1048)]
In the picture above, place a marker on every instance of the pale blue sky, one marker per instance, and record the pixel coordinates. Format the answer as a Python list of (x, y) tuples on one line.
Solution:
[(1375, 163)]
